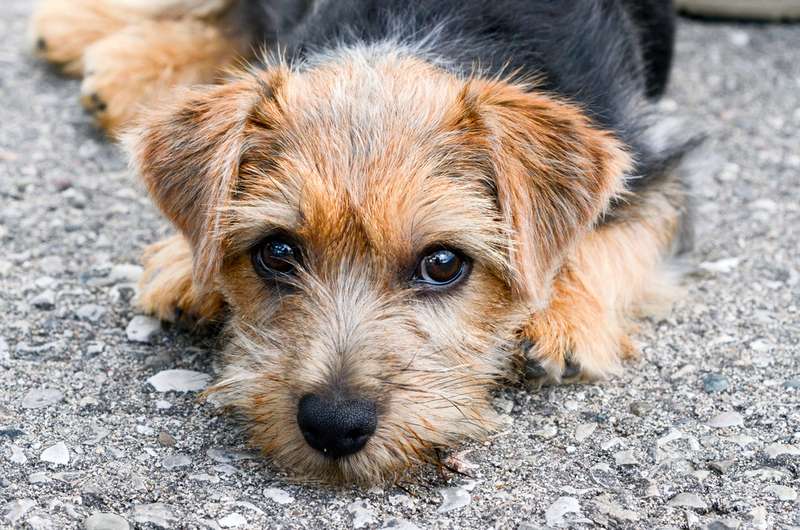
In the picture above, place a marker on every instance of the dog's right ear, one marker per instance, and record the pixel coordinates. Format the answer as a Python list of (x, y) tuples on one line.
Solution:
[(188, 154)]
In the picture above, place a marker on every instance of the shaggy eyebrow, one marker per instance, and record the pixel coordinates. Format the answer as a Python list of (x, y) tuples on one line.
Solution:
[(247, 220)]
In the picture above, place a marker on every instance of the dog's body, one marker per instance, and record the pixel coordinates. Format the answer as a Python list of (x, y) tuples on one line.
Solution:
[(422, 197)]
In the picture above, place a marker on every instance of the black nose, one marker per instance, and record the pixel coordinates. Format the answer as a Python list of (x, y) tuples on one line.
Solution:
[(336, 427)]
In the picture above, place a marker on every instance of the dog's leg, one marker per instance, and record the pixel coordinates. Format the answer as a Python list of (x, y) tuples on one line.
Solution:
[(615, 274), (61, 30), (140, 63), (166, 289)]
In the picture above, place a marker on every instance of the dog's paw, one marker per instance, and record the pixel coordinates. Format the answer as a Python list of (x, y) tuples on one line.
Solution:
[(571, 345), (166, 289), (60, 31)]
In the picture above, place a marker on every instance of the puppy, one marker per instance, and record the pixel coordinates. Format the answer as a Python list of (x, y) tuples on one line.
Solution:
[(408, 205)]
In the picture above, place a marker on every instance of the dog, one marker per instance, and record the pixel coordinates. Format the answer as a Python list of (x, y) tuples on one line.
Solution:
[(401, 207)]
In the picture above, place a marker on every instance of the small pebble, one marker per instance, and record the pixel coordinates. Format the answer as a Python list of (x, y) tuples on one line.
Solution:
[(125, 273), (641, 408), (721, 466), (56, 454), (547, 432), (158, 514), (363, 516), (142, 329), (625, 458), (776, 450), (453, 499), (584, 430), (179, 381), (713, 383), (17, 455), (105, 521), (14, 511), (166, 439), (726, 419), (792, 384), (45, 300), (233, 520), (688, 500), (176, 461), (783, 493), (278, 495), (91, 312), (555, 514)]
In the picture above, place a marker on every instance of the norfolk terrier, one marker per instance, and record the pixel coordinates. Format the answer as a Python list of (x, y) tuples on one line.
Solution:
[(394, 206)]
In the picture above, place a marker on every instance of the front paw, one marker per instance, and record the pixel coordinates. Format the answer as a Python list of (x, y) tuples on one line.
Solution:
[(166, 288), (60, 31), (568, 346)]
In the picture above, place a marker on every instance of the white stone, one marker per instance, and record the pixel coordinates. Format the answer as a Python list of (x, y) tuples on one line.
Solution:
[(105, 521), (176, 461), (724, 265), (776, 450), (17, 455), (41, 397), (362, 515), (125, 273), (783, 493), (606, 504), (625, 458), (453, 499), (758, 516), (584, 430), (142, 329), (233, 520), (555, 514), (547, 432), (179, 380), (688, 500), (278, 495), (91, 312), (15, 510), (56, 454), (726, 419), (157, 513)]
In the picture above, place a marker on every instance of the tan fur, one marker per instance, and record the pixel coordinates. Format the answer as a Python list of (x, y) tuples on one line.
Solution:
[(367, 158), (131, 52), (267, 152), (166, 289)]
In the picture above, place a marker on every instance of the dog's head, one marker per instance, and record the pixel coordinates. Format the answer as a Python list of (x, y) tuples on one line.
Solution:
[(380, 229)]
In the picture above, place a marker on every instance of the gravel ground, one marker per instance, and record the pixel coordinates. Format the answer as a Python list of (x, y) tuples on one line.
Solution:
[(703, 433)]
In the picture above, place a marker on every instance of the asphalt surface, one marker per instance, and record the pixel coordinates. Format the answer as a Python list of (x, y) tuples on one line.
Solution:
[(703, 433)]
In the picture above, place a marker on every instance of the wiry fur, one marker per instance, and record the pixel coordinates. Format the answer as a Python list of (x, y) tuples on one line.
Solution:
[(389, 129)]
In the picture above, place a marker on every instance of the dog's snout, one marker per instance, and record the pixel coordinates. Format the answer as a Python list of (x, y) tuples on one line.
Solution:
[(336, 427)]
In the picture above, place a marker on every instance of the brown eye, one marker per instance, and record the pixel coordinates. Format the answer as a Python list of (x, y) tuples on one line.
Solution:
[(441, 267), (275, 256)]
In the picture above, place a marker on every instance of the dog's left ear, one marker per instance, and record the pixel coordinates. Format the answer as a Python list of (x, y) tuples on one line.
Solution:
[(188, 154), (554, 173)]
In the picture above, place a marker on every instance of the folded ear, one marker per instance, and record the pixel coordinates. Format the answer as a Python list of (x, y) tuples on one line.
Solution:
[(188, 155), (555, 173)]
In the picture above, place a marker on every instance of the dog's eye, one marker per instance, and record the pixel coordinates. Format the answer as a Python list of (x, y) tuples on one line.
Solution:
[(275, 256), (441, 267)]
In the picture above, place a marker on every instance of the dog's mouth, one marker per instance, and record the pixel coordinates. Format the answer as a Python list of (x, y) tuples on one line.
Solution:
[(322, 440)]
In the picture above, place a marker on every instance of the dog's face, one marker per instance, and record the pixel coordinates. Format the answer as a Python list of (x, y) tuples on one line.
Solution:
[(380, 229)]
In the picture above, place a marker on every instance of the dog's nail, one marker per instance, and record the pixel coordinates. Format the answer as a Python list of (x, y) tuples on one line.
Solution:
[(98, 104), (534, 370), (41, 44), (571, 369)]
